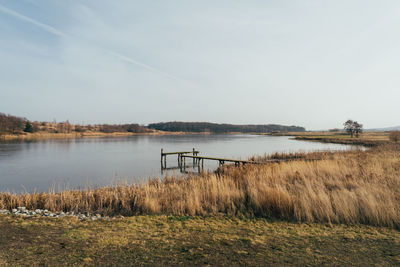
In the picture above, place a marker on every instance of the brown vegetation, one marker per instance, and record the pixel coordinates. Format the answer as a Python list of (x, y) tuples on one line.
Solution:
[(12, 127), (369, 139), (346, 187), (394, 136)]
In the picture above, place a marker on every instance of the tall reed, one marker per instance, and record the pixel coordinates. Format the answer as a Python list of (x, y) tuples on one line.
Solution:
[(343, 187)]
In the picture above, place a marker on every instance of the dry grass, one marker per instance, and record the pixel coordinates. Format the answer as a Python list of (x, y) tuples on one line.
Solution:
[(346, 187), (369, 139)]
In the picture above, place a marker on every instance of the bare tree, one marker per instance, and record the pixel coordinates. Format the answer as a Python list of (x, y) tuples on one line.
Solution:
[(353, 128)]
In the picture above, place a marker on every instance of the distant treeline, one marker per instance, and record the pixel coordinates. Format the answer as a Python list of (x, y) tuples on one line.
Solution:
[(222, 128), (16, 125), (11, 124), (132, 128)]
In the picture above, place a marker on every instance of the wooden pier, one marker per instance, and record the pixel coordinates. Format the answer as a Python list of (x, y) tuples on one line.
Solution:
[(198, 161), (237, 162), (164, 155)]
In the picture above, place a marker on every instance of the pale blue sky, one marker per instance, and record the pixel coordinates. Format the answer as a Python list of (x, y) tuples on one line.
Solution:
[(302, 62)]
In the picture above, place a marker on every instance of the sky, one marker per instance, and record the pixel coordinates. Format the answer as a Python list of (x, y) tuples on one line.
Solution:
[(310, 63)]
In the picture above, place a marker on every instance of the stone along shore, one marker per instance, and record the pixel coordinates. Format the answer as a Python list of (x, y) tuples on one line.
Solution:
[(22, 211)]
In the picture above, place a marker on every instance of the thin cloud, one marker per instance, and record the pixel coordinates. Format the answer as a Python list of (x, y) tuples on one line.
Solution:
[(59, 33)]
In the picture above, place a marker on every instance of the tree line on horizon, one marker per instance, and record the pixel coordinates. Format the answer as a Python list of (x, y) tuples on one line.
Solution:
[(177, 126), (10, 124)]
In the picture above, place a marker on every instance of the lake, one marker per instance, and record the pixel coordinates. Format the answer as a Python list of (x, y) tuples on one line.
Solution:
[(75, 163)]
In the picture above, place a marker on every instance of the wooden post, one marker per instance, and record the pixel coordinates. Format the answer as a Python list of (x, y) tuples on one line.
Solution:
[(162, 150), (184, 163), (194, 160)]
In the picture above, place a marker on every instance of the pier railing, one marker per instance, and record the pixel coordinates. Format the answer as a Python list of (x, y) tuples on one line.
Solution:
[(164, 155)]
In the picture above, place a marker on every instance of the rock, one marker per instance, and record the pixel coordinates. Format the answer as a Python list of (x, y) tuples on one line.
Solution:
[(21, 209)]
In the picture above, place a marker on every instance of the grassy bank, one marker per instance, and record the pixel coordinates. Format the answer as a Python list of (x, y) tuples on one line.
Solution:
[(346, 187), (183, 240), (45, 135), (370, 139)]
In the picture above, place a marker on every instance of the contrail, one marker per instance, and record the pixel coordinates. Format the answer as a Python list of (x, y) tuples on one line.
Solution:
[(54, 31), (35, 22), (133, 61)]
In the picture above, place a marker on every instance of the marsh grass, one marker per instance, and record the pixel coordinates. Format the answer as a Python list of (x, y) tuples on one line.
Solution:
[(342, 187)]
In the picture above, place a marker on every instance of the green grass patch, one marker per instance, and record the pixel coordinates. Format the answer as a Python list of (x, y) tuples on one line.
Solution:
[(185, 240)]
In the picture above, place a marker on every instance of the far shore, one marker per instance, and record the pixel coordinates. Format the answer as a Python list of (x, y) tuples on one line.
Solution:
[(45, 135), (366, 139), (91, 134)]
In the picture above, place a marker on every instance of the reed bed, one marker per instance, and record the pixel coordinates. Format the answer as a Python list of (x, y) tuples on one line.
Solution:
[(343, 187)]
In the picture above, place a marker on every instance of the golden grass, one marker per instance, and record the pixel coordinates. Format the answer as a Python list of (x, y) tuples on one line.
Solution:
[(346, 187)]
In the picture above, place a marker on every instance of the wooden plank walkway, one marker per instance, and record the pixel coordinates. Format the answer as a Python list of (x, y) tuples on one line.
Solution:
[(200, 160)]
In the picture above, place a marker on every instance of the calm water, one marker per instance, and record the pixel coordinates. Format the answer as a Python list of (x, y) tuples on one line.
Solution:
[(100, 161)]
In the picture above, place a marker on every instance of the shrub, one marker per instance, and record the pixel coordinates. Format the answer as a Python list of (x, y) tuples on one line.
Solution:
[(394, 136)]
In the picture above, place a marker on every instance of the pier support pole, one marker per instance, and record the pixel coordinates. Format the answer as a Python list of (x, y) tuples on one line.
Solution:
[(162, 154), (194, 160)]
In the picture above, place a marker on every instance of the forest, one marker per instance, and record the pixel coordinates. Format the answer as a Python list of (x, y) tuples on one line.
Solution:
[(222, 128)]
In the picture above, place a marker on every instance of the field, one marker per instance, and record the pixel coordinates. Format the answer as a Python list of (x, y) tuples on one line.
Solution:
[(184, 240), (366, 139)]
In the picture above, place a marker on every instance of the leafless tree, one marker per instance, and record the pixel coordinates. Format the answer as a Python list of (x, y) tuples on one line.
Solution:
[(353, 128)]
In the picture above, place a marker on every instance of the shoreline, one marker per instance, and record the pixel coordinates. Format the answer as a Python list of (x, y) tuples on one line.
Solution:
[(153, 196), (73, 135), (76, 135)]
